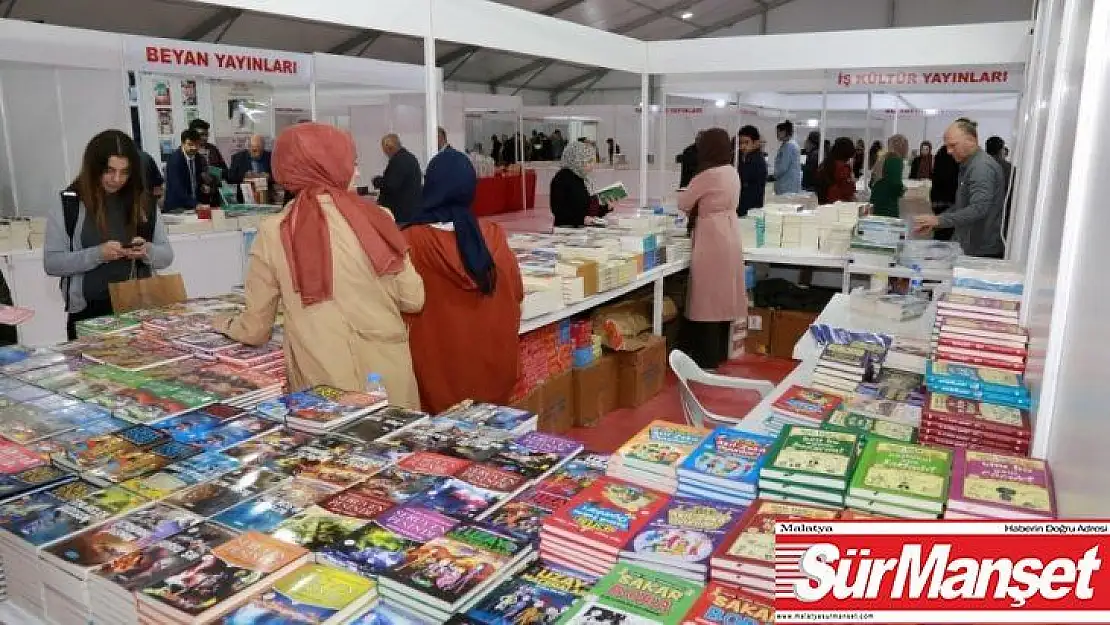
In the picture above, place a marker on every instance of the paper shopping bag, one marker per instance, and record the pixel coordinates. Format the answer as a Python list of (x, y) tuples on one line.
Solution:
[(153, 292)]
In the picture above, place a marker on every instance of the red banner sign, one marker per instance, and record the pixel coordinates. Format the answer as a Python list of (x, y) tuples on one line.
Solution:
[(928, 80), (942, 572), (164, 56)]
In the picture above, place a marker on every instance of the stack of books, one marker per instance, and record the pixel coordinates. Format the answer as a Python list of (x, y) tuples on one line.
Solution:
[(620, 597), (809, 466), (321, 408), (983, 277), (541, 589), (992, 386), (720, 603), (512, 420), (907, 354), (875, 241), (971, 342), (724, 467), (588, 532), (451, 573), (651, 457), (866, 427), (225, 578), (746, 557), (680, 539), (891, 306), (997, 486), (956, 422), (901, 480), (895, 385), (311, 594), (804, 406), (902, 413), (841, 368)]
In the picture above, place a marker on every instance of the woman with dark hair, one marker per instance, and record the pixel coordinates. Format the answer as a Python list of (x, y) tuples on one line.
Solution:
[(835, 182), (921, 168), (716, 295), (472, 281), (106, 230)]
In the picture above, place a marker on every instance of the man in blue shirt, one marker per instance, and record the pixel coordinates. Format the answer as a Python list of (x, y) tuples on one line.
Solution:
[(788, 162)]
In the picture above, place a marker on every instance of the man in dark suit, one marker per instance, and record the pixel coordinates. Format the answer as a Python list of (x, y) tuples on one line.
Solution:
[(400, 186), (185, 189), (252, 162)]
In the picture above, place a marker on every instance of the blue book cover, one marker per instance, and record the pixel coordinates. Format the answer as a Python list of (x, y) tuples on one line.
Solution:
[(456, 499), (266, 511), (233, 433), (17, 511), (189, 427), (539, 594), (975, 378), (728, 455), (685, 533), (205, 466), (55, 523), (142, 436)]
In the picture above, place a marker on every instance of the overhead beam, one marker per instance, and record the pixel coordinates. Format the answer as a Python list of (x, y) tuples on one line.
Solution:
[(458, 66), (597, 74), (534, 76), (361, 38), (584, 89), (468, 51), (211, 23)]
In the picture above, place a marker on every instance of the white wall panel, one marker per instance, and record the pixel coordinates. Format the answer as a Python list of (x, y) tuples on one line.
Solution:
[(31, 107), (92, 101)]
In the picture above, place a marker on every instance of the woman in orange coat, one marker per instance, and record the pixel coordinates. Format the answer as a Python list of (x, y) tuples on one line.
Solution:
[(465, 344)]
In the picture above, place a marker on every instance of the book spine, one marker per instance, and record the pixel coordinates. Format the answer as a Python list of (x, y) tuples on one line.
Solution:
[(980, 346), (979, 361)]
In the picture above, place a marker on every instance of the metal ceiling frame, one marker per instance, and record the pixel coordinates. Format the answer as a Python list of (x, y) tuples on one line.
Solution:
[(593, 77), (223, 19), (362, 40)]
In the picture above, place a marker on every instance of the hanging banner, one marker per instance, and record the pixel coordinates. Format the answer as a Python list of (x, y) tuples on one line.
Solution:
[(940, 79), (167, 56)]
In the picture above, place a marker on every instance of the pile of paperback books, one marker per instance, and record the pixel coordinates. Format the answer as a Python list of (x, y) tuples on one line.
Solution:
[(901, 480), (996, 486), (651, 457), (809, 466), (724, 467)]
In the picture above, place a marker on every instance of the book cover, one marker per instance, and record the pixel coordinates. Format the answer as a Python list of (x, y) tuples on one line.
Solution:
[(493, 479), (975, 378), (321, 405), (684, 533), (491, 415), (976, 414), (520, 519), (539, 594), (609, 512), (971, 344), (571, 478), (535, 453), (396, 485), (19, 510), (385, 542), (205, 466), (309, 457), (730, 455), (266, 511), (806, 403), (247, 356), (959, 325), (189, 427), (752, 540), (223, 572), (269, 447), (115, 500), (208, 499), (232, 433), (846, 357), (662, 444), (15, 458), (724, 604), (895, 412), (905, 471), (311, 594), (633, 594), (1006, 483), (807, 452), (457, 498), (382, 423), (27, 423), (166, 557), (97, 546), (427, 463), (159, 485), (865, 426), (31, 479)]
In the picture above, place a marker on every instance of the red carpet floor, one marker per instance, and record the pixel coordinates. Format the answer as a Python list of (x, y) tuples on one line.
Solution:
[(617, 427)]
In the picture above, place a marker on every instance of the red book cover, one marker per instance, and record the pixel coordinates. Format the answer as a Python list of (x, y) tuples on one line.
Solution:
[(492, 478), (751, 542), (722, 604), (943, 355), (967, 343), (355, 504), (428, 463), (956, 444), (957, 325), (955, 301), (807, 403), (974, 414), (16, 458), (607, 513), (962, 432)]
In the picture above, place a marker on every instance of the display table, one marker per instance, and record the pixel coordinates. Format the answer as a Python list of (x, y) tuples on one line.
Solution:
[(495, 195), (839, 314)]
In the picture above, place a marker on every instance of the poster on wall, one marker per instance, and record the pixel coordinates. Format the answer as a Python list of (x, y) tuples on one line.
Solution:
[(165, 122), (241, 110), (162, 93), (189, 93)]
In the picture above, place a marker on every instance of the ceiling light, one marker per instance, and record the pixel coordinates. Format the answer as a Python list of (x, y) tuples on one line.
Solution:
[(654, 108), (687, 15), (813, 123), (720, 104)]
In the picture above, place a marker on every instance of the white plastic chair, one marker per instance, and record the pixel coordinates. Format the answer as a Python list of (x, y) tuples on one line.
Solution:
[(688, 371)]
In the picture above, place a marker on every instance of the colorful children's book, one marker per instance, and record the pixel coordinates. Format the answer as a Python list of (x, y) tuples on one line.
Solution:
[(821, 458), (312, 593), (1011, 422), (865, 427), (606, 515), (266, 511), (165, 558), (661, 447), (321, 408), (806, 404), (750, 547), (387, 541), (536, 453), (727, 458), (195, 424), (683, 536), (208, 499), (724, 604), (539, 594), (911, 476), (1001, 486), (620, 597)]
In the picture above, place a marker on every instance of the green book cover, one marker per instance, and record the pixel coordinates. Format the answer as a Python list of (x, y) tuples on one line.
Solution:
[(630, 593), (808, 454), (866, 427), (904, 474)]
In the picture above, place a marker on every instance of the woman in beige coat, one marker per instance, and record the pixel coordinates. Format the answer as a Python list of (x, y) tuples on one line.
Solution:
[(339, 269)]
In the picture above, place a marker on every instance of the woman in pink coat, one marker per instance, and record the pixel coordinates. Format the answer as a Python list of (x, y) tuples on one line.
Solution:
[(716, 296)]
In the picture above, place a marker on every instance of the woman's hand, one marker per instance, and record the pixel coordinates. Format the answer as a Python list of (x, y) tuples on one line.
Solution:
[(139, 250), (112, 250)]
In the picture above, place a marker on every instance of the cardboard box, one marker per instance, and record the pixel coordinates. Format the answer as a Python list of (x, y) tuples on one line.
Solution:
[(641, 373), (557, 404), (595, 391), (761, 322), (532, 402), (789, 327)]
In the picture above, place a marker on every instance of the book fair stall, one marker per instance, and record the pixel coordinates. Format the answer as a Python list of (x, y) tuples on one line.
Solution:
[(157, 471)]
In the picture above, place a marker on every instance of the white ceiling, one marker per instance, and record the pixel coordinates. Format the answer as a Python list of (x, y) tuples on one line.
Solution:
[(643, 19)]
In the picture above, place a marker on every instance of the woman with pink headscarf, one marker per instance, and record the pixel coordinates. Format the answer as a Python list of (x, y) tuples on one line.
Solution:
[(339, 269)]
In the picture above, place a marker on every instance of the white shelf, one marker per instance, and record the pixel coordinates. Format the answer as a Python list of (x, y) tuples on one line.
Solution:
[(795, 256), (644, 279), (935, 275)]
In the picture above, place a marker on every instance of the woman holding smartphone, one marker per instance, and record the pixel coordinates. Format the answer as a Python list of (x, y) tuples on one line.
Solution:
[(106, 230)]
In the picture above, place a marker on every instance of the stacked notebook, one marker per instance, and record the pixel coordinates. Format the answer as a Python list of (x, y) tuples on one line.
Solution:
[(588, 532), (620, 597), (1001, 388), (321, 408), (724, 467), (312, 593), (451, 573), (651, 457), (901, 480), (956, 422), (746, 557), (681, 537), (803, 406), (998, 345), (809, 466), (998, 486), (841, 368)]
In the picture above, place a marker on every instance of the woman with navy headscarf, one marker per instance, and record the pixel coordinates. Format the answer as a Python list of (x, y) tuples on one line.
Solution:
[(465, 344)]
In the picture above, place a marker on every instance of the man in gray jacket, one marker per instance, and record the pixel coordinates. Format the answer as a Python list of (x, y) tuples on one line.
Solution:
[(979, 210)]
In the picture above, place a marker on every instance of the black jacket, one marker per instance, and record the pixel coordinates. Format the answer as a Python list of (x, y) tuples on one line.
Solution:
[(946, 178), (570, 200), (689, 162), (753, 181), (401, 186), (810, 160)]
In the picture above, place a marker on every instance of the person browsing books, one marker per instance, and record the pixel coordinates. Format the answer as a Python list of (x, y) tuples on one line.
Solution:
[(339, 269), (716, 295), (472, 281), (106, 230), (572, 191)]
